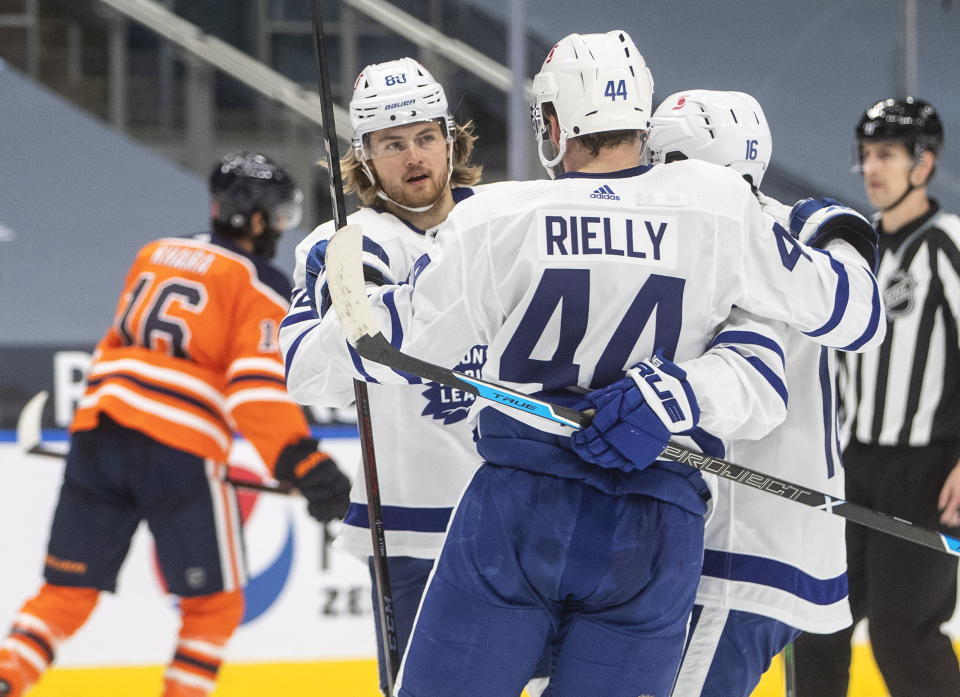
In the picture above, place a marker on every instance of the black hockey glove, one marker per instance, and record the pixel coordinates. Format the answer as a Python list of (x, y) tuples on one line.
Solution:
[(318, 478)]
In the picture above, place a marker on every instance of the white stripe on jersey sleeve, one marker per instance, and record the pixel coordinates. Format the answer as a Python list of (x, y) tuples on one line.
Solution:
[(257, 394), (255, 365)]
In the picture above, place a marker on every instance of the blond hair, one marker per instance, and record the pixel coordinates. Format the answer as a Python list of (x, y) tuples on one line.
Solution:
[(465, 173)]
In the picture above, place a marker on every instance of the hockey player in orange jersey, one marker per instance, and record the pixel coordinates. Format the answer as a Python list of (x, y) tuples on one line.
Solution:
[(191, 357)]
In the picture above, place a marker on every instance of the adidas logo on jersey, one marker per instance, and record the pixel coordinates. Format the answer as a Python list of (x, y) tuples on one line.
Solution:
[(605, 192)]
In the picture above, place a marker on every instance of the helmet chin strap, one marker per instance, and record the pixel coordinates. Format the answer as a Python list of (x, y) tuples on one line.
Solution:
[(551, 165), (381, 194), (910, 188)]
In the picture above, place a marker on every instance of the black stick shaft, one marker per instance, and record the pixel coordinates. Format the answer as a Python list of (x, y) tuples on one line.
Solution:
[(364, 423), (282, 489), (854, 512), (326, 113), (789, 670)]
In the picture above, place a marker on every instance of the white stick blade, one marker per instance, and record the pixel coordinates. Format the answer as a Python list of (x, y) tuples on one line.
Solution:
[(28, 425), (345, 281)]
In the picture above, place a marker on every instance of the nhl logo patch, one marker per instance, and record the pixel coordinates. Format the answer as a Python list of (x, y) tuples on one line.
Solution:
[(195, 576), (898, 296)]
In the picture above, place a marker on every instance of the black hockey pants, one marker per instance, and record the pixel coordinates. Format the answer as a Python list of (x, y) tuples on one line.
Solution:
[(904, 590)]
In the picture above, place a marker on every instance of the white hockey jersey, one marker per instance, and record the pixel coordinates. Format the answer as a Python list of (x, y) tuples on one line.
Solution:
[(770, 556), (568, 282), (423, 442)]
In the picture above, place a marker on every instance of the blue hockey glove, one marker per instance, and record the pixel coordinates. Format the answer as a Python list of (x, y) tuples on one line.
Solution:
[(636, 416), (816, 221)]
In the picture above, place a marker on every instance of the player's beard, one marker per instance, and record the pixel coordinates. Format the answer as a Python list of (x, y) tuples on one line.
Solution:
[(411, 196)]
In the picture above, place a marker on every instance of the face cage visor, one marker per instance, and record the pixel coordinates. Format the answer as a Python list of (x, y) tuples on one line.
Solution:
[(361, 142), (287, 214)]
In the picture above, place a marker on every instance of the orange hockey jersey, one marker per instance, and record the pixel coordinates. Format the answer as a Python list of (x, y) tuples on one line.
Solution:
[(192, 354)]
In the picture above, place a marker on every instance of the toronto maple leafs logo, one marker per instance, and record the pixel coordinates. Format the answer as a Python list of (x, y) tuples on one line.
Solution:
[(451, 405)]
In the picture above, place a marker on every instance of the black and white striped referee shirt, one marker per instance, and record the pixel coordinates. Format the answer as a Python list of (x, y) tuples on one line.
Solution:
[(907, 391)]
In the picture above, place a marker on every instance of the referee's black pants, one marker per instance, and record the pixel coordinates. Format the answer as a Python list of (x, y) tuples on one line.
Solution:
[(904, 590)]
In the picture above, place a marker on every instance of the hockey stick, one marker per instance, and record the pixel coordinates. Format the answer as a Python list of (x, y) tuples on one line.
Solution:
[(789, 670), (388, 633), (348, 292), (29, 442), (28, 427)]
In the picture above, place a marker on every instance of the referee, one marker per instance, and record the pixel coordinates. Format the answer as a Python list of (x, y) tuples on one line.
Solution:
[(902, 405)]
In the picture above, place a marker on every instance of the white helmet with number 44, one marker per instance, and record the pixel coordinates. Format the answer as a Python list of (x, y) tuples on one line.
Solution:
[(595, 83), (725, 128)]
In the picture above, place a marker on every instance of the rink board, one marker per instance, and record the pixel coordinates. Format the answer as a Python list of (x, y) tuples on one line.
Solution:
[(309, 631), (306, 601)]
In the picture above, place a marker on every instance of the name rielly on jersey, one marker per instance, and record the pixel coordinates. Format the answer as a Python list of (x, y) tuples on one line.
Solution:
[(572, 235)]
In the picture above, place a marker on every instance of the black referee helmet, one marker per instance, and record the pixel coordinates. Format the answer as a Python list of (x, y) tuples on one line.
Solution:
[(911, 121)]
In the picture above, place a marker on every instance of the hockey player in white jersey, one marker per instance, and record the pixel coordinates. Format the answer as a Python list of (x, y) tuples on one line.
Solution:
[(589, 544), (409, 165), (771, 567)]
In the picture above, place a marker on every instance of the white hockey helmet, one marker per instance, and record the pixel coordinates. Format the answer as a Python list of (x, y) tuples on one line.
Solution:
[(396, 93), (596, 83), (725, 128)]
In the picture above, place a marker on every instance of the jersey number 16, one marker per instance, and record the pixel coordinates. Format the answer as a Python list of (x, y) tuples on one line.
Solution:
[(156, 328)]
